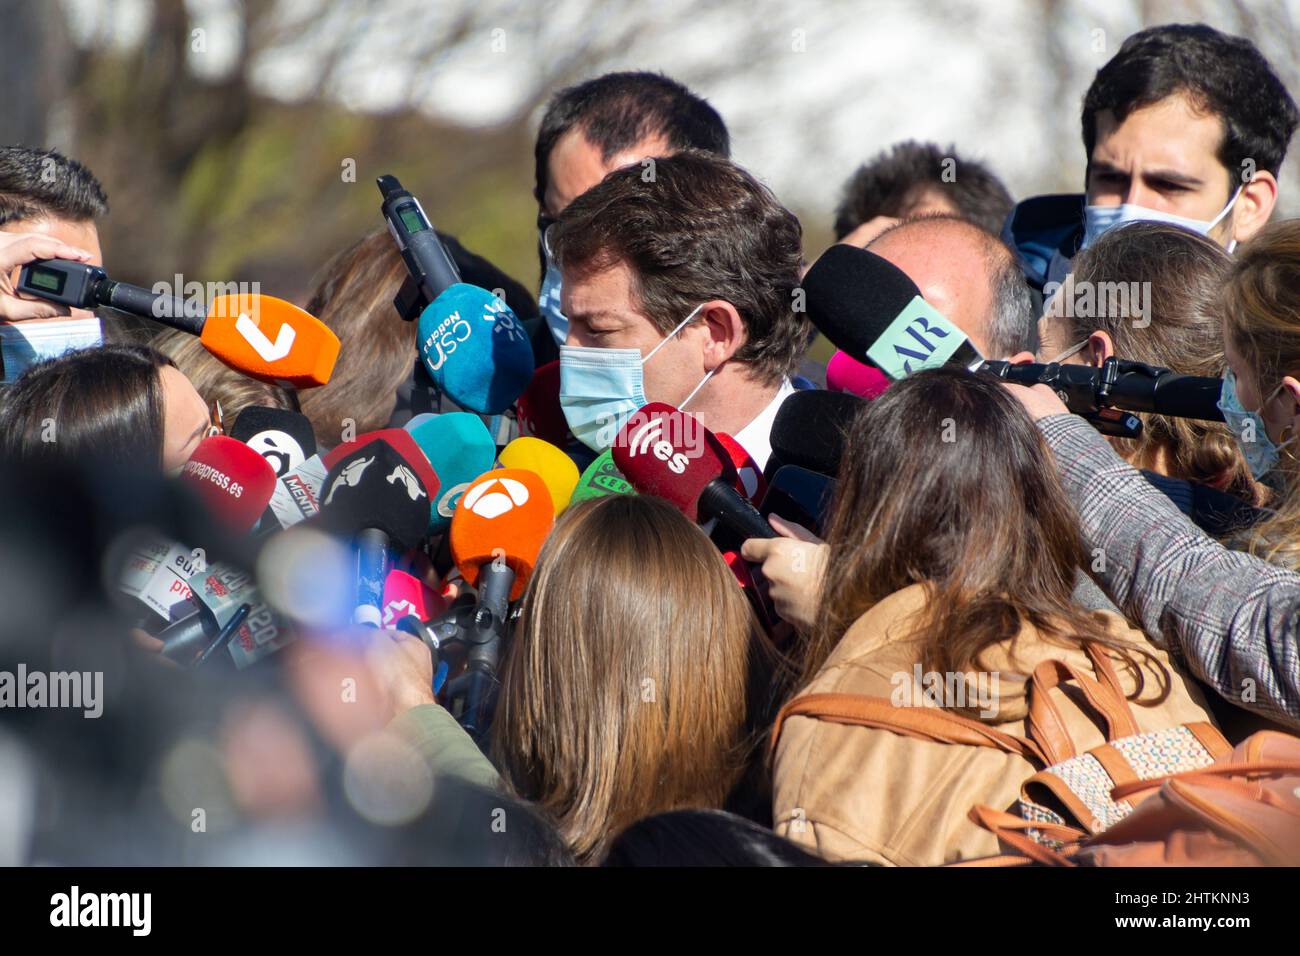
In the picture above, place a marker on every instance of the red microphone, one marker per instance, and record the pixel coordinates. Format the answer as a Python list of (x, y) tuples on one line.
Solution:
[(538, 409), (664, 451), (233, 480)]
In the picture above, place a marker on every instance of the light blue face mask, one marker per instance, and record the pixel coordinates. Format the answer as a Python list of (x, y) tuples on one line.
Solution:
[(600, 388), (23, 344), (1260, 451), (1098, 219), (548, 299)]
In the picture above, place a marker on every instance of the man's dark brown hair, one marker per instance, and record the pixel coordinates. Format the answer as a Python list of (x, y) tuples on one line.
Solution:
[(694, 227)]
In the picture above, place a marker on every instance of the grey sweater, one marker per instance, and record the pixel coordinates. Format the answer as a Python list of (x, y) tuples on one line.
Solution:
[(1233, 618)]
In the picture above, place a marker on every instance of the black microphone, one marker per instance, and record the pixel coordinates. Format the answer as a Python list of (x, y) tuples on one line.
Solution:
[(380, 499), (801, 496), (430, 269), (868, 308), (809, 430), (284, 438)]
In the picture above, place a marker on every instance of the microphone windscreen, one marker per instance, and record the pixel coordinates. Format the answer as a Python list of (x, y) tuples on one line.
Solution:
[(809, 429), (375, 486), (846, 374), (270, 340), (506, 512), (749, 477), (284, 438), (540, 414), (601, 478), (547, 462), (868, 307), (405, 445), (475, 350), (460, 448), (668, 453), (404, 594), (234, 481)]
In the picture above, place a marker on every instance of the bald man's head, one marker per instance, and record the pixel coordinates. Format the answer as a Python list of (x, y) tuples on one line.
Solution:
[(970, 276)]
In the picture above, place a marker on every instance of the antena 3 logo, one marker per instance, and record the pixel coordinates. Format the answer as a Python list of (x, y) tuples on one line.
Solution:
[(673, 439)]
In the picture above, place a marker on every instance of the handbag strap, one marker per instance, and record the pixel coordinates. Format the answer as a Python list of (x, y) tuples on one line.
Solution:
[(922, 723), (1044, 722)]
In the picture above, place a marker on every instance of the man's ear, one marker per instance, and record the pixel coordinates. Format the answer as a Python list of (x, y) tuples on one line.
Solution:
[(724, 332), (1254, 205)]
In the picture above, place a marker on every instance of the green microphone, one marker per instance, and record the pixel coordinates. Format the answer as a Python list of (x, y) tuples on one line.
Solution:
[(601, 478)]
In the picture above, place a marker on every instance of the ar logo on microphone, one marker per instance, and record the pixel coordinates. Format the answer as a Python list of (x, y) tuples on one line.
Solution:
[(403, 474), (349, 477), (495, 496), (255, 337), (919, 334), (649, 438)]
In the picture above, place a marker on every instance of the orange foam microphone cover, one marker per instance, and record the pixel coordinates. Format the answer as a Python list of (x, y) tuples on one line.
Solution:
[(505, 513), (270, 339)]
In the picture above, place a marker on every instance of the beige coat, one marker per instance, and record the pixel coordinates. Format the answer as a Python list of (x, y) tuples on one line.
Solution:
[(859, 793)]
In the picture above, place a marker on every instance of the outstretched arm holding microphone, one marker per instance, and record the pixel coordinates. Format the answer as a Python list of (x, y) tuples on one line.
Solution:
[(1236, 618)]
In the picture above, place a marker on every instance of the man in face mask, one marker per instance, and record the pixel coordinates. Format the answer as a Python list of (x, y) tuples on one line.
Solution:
[(43, 193), (1184, 125), (597, 126), (679, 285)]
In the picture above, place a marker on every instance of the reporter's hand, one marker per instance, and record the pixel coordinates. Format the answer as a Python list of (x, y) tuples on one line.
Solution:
[(402, 667), (794, 565), (1039, 400), (18, 249)]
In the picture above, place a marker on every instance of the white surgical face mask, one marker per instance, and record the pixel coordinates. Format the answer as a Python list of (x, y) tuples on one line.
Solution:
[(600, 388), (23, 344), (1099, 219)]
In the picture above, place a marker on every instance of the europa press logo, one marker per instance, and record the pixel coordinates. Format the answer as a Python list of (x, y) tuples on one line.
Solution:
[(673, 439)]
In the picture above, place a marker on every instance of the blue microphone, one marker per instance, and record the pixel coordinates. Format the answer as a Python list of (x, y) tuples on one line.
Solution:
[(475, 350), (460, 449)]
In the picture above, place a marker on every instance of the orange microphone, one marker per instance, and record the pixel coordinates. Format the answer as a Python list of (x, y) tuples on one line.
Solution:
[(263, 337), (270, 339), (498, 528)]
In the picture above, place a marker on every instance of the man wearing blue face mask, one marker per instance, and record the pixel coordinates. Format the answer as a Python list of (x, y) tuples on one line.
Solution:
[(43, 193), (1184, 125), (597, 126), (679, 284)]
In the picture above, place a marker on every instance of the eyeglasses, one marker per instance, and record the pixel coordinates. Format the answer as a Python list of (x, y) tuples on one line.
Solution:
[(217, 421)]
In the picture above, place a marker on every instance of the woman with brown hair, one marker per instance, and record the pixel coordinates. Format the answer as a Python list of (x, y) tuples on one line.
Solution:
[(951, 551), (637, 674), (1148, 292), (354, 297)]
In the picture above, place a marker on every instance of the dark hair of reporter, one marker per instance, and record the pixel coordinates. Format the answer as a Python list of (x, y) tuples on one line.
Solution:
[(1182, 331), (96, 404), (704, 838), (894, 181), (946, 481)]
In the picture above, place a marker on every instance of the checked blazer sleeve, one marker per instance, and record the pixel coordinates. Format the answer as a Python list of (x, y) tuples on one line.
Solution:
[(1234, 618)]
